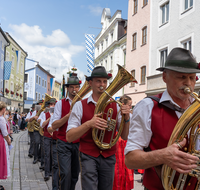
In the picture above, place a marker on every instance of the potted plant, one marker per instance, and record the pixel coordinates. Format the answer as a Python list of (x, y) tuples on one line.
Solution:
[(11, 92), (17, 94), (7, 91), (20, 95)]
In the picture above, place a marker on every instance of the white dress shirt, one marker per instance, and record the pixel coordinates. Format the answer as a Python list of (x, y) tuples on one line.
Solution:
[(33, 114), (77, 113), (28, 116), (140, 125), (58, 109), (42, 117)]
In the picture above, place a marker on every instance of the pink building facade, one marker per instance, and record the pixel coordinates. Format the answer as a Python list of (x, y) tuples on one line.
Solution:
[(137, 49)]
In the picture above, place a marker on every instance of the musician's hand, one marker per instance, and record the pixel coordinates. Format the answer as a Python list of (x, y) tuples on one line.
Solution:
[(98, 122), (50, 130), (125, 109), (36, 117), (178, 160)]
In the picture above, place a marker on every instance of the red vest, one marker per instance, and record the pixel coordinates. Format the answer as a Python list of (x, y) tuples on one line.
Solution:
[(87, 145), (30, 113), (163, 121), (46, 133), (54, 137), (62, 130)]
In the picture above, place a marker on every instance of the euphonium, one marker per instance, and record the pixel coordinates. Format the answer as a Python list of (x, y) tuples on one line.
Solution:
[(188, 121), (34, 123), (86, 88), (122, 78)]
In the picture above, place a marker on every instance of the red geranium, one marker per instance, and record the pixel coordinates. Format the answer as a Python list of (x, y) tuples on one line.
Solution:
[(17, 94), (7, 91), (11, 92), (20, 95), (109, 75), (198, 67)]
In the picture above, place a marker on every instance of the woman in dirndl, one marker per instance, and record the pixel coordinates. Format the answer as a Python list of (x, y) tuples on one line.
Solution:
[(5, 141)]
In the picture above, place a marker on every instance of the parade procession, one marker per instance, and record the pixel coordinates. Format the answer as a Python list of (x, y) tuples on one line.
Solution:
[(124, 116)]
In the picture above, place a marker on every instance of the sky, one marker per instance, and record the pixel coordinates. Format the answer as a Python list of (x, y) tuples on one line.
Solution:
[(52, 32)]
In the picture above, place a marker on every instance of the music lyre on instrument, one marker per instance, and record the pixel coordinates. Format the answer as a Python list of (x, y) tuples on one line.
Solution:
[(188, 121)]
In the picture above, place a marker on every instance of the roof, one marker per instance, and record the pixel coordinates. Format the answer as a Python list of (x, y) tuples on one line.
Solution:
[(57, 82), (16, 43), (4, 35), (40, 67)]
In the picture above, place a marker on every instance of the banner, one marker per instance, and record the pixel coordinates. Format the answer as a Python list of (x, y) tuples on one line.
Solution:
[(52, 81), (18, 53), (7, 70), (90, 41)]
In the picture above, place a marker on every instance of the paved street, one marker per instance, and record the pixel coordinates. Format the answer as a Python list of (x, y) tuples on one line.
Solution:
[(27, 176)]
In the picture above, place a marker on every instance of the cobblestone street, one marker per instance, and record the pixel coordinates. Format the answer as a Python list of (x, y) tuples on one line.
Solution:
[(27, 176)]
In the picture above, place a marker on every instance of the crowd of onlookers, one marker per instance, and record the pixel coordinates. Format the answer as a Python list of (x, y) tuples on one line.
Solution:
[(9, 123)]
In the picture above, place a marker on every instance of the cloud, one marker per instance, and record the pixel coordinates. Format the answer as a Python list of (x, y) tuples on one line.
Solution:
[(95, 10), (54, 52)]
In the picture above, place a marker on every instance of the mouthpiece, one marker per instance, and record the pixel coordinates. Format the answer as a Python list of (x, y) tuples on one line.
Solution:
[(74, 92), (101, 87), (187, 90)]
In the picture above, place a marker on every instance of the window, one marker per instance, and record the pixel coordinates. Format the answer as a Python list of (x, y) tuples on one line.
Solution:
[(106, 65), (134, 40), (7, 56), (2, 47), (36, 96), (42, 96), (39, 96), (111, 37), (125, 57), (145, 2), (144, 35), (187, 44), (22, 68), (163, 57), (2, 60), (48, 86), (45, 84), (37, 79), (143, 74), (13, 62), (165, 13), (106, 42), (25, 78), (42, 82), (111, 61), (1, 86), (135, 5), (6, 84), (133, 74), (25, 95), (101, 47), (188, 4)]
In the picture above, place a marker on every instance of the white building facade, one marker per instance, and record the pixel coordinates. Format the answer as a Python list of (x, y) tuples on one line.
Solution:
[(110, 46), (173, 24)]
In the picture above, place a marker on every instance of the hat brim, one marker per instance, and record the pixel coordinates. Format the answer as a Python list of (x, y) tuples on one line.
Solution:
[(67, 85), (179, 69), (90, 78)]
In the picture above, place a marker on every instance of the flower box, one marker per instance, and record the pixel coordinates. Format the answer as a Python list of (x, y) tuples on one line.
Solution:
[(7, 91)]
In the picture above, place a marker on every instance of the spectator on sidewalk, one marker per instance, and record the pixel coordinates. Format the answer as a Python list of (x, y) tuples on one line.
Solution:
[(4, 142)]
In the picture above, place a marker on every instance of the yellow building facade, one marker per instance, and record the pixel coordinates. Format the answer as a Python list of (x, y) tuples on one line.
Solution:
[(56, 90)]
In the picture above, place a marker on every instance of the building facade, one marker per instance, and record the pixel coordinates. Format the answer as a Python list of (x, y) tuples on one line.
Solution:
[(15, 85), (4, 42), (56, 90), (137, 51), (35, 84), (110, 45), (174, 24)]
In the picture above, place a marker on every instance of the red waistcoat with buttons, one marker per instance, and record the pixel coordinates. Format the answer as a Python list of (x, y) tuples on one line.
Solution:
[(46, 133), (87, 145), (163, 121), (62, 130)]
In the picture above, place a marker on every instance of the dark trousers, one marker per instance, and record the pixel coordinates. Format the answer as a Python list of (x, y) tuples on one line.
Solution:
[(47, 156), (55, 172), (42, 150), (97, 173), (32, 142), (36, 145), (68, 162)]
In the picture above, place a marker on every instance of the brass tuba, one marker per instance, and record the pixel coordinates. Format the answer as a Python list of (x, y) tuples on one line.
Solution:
[(122, 78), (188, 121), (34, 123)]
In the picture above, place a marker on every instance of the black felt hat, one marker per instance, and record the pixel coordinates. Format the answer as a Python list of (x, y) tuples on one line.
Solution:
[(99, 72), (33, 106), (73, 80), (181, 60)]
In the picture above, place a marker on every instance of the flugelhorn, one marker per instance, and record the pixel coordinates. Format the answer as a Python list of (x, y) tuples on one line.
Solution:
[(122, 78), (188, 121)]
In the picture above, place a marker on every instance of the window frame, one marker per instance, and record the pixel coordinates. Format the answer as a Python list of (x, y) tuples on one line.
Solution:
[(144, 35), (132, 84), (165, 51), (135, 6), (165, 18), (134, 41), (186, 41), (145, 2), (143, 75), (27, 78)]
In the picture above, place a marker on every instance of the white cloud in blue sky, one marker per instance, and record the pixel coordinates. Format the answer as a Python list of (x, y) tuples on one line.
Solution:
[(95, 10), (53, 50)]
